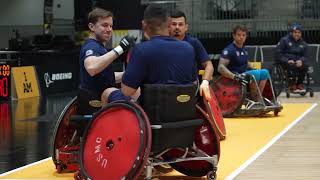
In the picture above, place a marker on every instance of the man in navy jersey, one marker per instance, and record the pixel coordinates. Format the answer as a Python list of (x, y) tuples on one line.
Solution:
[(292, 54), (233, 62), (178, 29), (160, 60), (96, 72)]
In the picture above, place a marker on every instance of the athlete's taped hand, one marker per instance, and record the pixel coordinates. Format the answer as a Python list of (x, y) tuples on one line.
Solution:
[(204, 89)]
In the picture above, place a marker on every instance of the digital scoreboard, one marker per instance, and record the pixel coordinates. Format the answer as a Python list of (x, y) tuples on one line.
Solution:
[(4, 81)]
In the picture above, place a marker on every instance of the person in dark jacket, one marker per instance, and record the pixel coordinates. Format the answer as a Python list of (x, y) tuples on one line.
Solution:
[(292, 51)]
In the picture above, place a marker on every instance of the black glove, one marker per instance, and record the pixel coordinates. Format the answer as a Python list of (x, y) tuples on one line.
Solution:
[(125, 44), (242, 78)]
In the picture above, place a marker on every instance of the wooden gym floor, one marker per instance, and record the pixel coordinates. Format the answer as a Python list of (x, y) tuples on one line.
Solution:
[(284, 147)]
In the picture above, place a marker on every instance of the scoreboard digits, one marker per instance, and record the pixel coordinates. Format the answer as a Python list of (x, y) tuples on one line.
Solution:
[(4, 81)]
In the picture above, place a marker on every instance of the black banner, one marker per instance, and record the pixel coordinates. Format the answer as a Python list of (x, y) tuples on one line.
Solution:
[(57, 72)]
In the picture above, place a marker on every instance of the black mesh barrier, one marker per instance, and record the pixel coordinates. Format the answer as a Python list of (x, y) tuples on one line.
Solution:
[(267, 55), (252, 51), (312, 57)]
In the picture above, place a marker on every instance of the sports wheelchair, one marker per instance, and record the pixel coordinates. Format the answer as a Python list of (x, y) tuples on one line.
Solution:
[(234, 98), (282, 81), (123, 139)]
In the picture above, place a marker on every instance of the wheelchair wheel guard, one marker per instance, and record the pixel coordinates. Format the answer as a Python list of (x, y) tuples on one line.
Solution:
[(63, 135), (229, 93), (214, 113), (117, 143), (207, 141)]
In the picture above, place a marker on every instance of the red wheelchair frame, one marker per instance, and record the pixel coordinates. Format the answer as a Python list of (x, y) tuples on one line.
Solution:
[(96, 154)]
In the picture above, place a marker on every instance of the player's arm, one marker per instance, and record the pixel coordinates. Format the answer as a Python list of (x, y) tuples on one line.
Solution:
[(304, 52), (208, 70), (202, 56), (134, 74), (96, 64), (118, 76), (282, 51), (223, 70)]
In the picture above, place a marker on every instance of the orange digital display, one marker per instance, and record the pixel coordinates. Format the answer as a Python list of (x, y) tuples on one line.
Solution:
[(4, 81)]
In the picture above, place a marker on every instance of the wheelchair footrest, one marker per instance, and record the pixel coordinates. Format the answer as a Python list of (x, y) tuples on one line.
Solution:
[(174, 134)]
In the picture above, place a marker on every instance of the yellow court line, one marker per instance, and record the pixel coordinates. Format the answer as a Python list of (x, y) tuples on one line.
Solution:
[(245, 137)]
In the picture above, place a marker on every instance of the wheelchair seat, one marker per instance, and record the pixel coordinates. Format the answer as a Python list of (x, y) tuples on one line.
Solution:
[(88, 102), (172, 113)]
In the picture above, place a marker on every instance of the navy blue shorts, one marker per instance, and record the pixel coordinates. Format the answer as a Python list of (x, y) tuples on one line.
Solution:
[(117, 95)]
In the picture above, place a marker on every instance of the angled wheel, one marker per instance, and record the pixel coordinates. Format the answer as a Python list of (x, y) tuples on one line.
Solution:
[(64, 132), (215, 115), (117, 143), (229, 93)]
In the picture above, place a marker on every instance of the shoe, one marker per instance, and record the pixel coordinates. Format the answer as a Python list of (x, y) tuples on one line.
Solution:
[(300, 88), (293, 87)]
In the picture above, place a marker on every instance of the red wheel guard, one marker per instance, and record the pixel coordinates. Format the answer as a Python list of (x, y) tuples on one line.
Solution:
[(229, 93), (116, 143), (215, 115)]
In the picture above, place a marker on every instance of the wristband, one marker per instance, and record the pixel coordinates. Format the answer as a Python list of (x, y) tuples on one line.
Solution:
[(118, 50), (205, 82)]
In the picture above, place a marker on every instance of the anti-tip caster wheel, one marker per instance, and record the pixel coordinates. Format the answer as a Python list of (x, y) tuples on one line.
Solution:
[(288, 94), (211, 175), (311, 94), (77, 176)]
